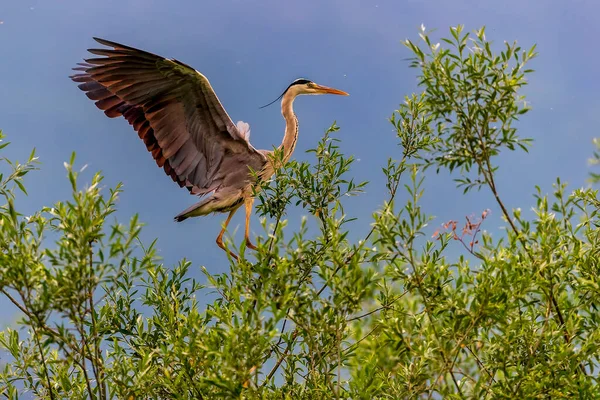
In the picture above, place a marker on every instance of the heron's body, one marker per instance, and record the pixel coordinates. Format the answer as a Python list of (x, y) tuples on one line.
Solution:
[(177, 114)]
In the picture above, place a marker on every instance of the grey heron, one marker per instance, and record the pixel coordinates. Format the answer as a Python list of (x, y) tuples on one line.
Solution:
[(177, 114)]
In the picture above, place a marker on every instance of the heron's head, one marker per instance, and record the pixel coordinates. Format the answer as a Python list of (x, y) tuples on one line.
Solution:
[(304, 86)]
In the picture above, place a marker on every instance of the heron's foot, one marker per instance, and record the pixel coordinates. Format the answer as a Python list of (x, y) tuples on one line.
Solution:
[(233, 255), (222, 246), (250, 245)]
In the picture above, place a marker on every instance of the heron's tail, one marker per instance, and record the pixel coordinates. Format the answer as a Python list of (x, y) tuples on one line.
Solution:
[(180, 218), (220, 201), (193, 211)]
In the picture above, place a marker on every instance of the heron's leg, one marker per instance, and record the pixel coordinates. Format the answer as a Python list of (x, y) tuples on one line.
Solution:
[(220, 237), (248, 203)]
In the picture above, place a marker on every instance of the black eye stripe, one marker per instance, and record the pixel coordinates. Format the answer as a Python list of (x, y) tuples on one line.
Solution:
[(300, 82)]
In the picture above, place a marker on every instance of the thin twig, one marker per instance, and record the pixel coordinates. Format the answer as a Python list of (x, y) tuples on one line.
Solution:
[(350, 347), (435, 331), (388, 305), (355, 344), (82, 351), (37, 341), (193, 384), (481, 365), (287, 314), (537, 344), (280, 360), (339, 359), (51, 332), (99, 364), (85, 374)]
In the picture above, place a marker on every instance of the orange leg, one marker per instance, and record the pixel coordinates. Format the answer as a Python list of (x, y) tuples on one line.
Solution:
[(220, 237), (248, 203)]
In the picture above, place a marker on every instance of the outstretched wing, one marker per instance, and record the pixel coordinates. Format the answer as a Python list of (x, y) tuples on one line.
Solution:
[(174, 110)]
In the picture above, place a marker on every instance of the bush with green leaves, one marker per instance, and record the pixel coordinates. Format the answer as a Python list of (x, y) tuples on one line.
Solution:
[(312, 314)]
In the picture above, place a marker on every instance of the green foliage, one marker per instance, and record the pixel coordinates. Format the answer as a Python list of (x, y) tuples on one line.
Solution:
[(595, 160), (313, 314), (472, 95)]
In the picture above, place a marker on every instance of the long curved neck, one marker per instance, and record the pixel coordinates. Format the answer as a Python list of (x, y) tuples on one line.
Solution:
[(291, 126)]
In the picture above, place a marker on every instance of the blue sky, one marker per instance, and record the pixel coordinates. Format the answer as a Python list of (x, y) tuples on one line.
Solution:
[(250, 51)]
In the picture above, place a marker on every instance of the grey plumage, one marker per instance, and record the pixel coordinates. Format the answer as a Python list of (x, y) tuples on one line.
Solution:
[(177, 114)]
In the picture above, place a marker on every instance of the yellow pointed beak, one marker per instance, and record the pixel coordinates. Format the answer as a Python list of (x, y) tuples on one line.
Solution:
[(328, 90)]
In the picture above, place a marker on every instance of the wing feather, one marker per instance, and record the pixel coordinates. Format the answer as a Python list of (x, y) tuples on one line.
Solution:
[(174, 110)]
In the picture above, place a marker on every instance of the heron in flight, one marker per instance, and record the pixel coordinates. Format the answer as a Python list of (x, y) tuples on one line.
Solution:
[(177, 114)]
